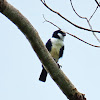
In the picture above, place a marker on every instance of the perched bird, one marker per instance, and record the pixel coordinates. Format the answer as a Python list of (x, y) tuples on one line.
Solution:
[(56, 47)]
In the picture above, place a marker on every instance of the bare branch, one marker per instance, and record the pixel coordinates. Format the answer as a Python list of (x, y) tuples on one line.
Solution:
[(97, 3), (43, 1), (82, 40), (76, 12), (51, 23), (86, 19), (93, 13), (91, 26)]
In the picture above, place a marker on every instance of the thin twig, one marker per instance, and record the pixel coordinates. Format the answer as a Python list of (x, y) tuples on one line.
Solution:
[(93, 13), (86, 19), (82, 40), (91, 26), (75, 11), (72, 34), (43, 1), (51, 23)]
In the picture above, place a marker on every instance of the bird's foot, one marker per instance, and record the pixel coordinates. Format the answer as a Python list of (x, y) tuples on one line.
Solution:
[(59, 66)]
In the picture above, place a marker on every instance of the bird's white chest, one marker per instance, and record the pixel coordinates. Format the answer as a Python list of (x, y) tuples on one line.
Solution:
[(56, 46)]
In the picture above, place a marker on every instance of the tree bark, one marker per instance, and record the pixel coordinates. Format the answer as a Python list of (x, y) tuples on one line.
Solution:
[(32, 35)]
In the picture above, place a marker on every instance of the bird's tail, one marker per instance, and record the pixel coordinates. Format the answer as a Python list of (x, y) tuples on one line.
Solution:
[(43, 75)]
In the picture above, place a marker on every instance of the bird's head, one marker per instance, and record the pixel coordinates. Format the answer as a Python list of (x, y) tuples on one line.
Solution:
[(59, 35)]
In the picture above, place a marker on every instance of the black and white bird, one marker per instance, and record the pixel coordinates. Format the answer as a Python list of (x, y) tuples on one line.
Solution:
[(55, 46)]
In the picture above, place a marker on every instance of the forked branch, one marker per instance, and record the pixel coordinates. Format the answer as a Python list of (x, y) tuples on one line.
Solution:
[(51, 23), (43, 1), (88, 21)]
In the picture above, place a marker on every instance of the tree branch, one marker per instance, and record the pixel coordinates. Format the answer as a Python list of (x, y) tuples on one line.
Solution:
[(51, 23), (43, 1), (82, 40), (97, 3), (93, 13), (32, 35), (88, 21)]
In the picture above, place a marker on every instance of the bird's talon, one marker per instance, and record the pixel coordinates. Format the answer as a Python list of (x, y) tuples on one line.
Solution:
[(59, 66)]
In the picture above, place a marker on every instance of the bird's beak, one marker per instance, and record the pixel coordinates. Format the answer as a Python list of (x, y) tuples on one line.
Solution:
[(64, 34)]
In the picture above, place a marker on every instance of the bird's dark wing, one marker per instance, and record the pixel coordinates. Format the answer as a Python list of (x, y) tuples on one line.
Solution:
[(49, 45), (61, 52), (43, 75)]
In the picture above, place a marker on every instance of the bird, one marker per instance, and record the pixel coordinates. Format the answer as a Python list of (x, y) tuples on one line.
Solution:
[(55, 46)]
